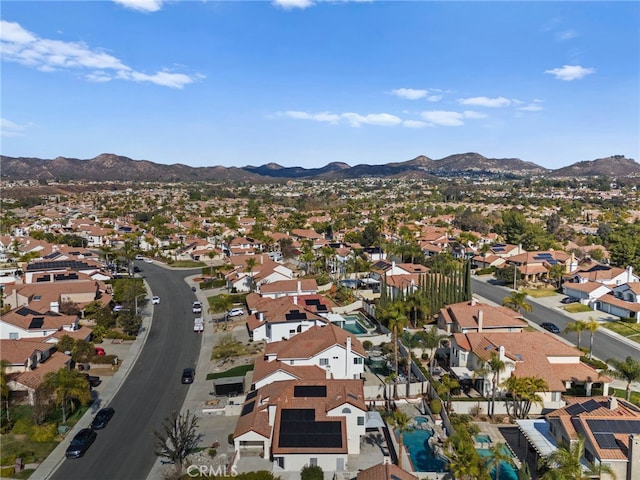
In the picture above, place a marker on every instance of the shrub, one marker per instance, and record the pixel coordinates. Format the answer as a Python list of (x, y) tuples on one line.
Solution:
[(435, 405), (22, 426), (7, 472), (104, 360), (43, 433), (311, 472), (592, 362), (367, 344)]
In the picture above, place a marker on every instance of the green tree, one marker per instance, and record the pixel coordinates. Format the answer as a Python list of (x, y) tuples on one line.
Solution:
[(401, 422), (445, 388), (517, 302), (577, 326), (499, 456), (311, 472), (524, 393), (432, 339), (4, 387), (177, 437), (494, 366), (627, 370), (591, 326), (395, 319), (566, 463), (68, 385)]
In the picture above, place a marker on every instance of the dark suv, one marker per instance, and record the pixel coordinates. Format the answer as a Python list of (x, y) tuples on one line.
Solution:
[(81, 443), (550, 327), (187, 375), (93, 380)]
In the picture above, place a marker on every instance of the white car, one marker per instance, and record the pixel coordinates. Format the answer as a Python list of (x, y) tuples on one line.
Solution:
[(235, 312), (148, 260), (197, 307), (155, 300)]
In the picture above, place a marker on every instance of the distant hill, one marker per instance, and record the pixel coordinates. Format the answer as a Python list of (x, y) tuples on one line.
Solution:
[(110, 167), (614, 166)]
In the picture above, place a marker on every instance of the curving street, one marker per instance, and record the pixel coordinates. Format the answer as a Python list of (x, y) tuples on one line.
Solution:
[(151, 391), (605, 345)]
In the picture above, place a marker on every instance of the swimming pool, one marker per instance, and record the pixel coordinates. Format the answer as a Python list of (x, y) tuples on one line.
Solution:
[(507, 471), (361, 319), (417, 444), (351, 326), (483, 438)]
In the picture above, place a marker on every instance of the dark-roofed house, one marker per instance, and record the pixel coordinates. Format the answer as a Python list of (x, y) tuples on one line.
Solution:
[(24, 322), (303, 422)]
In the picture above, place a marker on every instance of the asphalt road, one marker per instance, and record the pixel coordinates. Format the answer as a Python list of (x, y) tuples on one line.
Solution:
[(152, 390), (604, 346)]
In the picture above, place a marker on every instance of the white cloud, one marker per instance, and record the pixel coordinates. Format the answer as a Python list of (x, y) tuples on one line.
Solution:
[(21, 46), (486, 102), (409, 93), (565, 35), (413, 124), (291, 4), (382, 119), (11, 129), (434, 98), (318, 117), (450, 119), (444, 118), (532, 107), (568, 73), (141, 5)]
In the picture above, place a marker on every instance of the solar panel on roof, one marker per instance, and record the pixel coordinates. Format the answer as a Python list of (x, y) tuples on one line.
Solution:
[(298, 429), (248, 408), (591, 405), (316, 391), (322, 308), (614, 426), (296, 315), (36, 322), (251, 395), (575, 409), (606, 440), (312, 301)]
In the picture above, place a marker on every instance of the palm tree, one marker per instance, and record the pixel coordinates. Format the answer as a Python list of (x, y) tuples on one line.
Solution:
[(578, 326), (446, 385), (523, 472), (495, 366), (432, 340), (524, 393), (517, 302), (499, 455), (566, 463), (401, 422), (629, 371), (396, 320), (249, 266), (4, 388), (591, 326), (67, 385)]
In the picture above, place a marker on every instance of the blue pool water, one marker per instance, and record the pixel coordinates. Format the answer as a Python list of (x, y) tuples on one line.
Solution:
[(351, 326), (507, 471), (416, 443), (482, 438)]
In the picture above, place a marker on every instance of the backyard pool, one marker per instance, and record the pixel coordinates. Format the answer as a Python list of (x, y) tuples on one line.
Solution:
[(483, 438), (507, 471), (417, 443), (351, 326)]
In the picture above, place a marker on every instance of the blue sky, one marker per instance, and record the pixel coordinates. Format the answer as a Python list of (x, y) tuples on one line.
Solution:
[(305, 83)]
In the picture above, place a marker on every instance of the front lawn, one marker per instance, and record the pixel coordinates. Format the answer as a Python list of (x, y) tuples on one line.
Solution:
[(577, 308), (239, 371), (539, 292), (187, 264), (628, 330)]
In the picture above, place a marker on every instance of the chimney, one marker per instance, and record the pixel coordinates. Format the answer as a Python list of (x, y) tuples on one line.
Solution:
[(299, 287), (473, 301), (480, 320), (501, 352), (613, 403), (295, 299), (629, 273), (634, 455), (54, 307), (348, 360), (327, 372)]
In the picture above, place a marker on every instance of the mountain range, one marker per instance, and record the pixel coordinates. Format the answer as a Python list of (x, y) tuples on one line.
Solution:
[(111, 167)]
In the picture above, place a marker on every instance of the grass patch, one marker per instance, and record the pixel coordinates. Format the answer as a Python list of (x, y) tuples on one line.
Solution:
[(628, 330), (539, 292), (20, 446), (187, 264), (239, 371), (621, 393), (577, 308)]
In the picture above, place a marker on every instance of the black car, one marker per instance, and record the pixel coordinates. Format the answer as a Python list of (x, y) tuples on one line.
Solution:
[(551, 327), (81, 443), (102, 418), (567, 300), (187, 375), (93, 380)]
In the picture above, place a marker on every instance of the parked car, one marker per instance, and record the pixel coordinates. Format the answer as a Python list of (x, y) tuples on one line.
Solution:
[(197, 307), (102, 418), (235, 312), (194, 289), (93, 380), (100, 351), (187, 375), (81, 443), (566, 300), (155, 300), (551, 327), (148, 260)]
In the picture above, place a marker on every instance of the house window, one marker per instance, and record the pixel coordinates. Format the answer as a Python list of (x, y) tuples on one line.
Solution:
[(555, 396), (360, 420), (13, 335), (292, 332), (313, 462), (346, 410), (324, 362), (357, 361)]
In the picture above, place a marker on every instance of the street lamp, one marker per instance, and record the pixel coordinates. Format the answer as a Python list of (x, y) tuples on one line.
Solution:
[(136, 300)]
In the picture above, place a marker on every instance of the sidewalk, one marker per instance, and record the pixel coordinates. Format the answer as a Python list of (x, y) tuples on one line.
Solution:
[(103, 394)]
